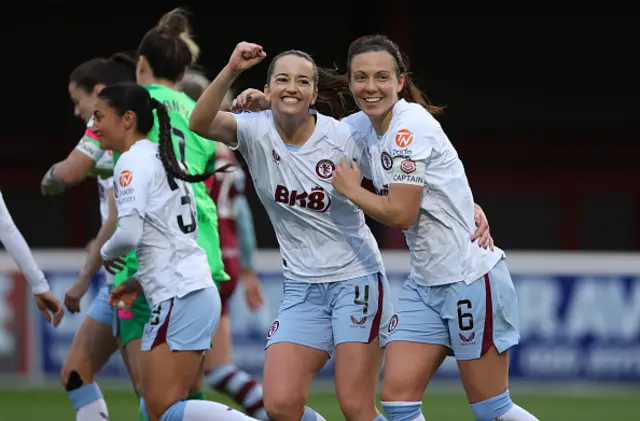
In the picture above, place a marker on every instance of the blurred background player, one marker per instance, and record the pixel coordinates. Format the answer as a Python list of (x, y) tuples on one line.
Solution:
[(17, 247), (238, 244), (94, 342)]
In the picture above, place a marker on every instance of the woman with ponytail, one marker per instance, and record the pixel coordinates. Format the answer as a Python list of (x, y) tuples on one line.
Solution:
[(157, 219), (459, 298)]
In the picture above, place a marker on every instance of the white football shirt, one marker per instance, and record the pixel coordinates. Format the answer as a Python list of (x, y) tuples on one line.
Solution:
[(415, 150), (171, 264), (323, 236)]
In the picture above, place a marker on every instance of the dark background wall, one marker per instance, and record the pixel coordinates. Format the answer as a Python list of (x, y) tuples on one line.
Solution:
[(543, 110)]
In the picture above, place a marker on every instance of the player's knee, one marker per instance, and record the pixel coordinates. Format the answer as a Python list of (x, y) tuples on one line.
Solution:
[(156, 407), (71, 380), (282, 406), (395, 389), (357, 407)]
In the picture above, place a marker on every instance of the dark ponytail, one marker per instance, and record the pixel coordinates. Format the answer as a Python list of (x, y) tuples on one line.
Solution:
[(167, 153), (334, 93), (123, 97)]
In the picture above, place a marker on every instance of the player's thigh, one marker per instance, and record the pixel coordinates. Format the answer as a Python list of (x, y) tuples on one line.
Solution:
[(483, 324), (299, 343), (132, 355), (92, 345), (220, 352), (178, 332), (304, 317), (289, 369), (418, 343), (134, 371), (360, 309)]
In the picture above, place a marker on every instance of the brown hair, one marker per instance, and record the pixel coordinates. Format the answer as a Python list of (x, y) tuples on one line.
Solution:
[(120, 67), (333, 88), (410, 92), (169, 47)]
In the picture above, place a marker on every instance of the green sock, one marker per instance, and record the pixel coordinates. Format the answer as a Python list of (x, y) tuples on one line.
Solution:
[(196, 396)]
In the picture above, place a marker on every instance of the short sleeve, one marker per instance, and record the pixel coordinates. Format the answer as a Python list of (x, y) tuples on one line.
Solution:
[(411, 144), (131, 182), (247, 126), (356, 150)]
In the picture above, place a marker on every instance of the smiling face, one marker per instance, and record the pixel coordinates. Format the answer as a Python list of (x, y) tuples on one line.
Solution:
[(110, 127), (292, 87), (375, 82)]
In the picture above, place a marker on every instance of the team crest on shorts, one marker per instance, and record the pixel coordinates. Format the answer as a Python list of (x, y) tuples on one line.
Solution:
[(273, 329), (325, 169), (386, 160), (393, 323)]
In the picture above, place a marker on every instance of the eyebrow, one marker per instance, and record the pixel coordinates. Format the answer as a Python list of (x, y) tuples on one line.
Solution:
[(286, 74)]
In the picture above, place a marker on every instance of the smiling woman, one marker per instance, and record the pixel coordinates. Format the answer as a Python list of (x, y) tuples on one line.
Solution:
[(336, 294)]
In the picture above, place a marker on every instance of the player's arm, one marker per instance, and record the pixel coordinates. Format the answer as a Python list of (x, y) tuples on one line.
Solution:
[(400, 207), (19, 250), (74, 168), (93, 261), (206, 118), (131, 204), (244, 223)]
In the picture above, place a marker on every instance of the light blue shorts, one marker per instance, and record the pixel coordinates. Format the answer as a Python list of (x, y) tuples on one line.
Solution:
[(185, 324), (100, 310), (466, 318), (324, 315)]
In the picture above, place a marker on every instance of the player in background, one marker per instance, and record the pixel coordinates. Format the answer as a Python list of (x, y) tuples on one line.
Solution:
[(163, 57), (94, 342), (336, 295), (18, 249), (458, 298), (238, 244), (175, 276)]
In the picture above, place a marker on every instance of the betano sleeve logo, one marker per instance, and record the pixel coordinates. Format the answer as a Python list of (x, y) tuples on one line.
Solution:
[(125, 178), (404, 138)]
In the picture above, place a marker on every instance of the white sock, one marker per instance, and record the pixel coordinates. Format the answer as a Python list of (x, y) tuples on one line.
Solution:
[(517, 414), (197, 410), (95, 411)]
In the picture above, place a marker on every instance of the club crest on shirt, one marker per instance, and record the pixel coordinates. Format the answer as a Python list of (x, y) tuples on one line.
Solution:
[(386, 160), (325, 169)]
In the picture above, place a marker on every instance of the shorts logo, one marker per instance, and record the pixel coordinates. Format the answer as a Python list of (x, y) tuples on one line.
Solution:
[(470, 340), (408, 166), (393, 323), (386, 160), (273, 329), (325, 169), (358, 322), (125, 178), (404, 138)]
